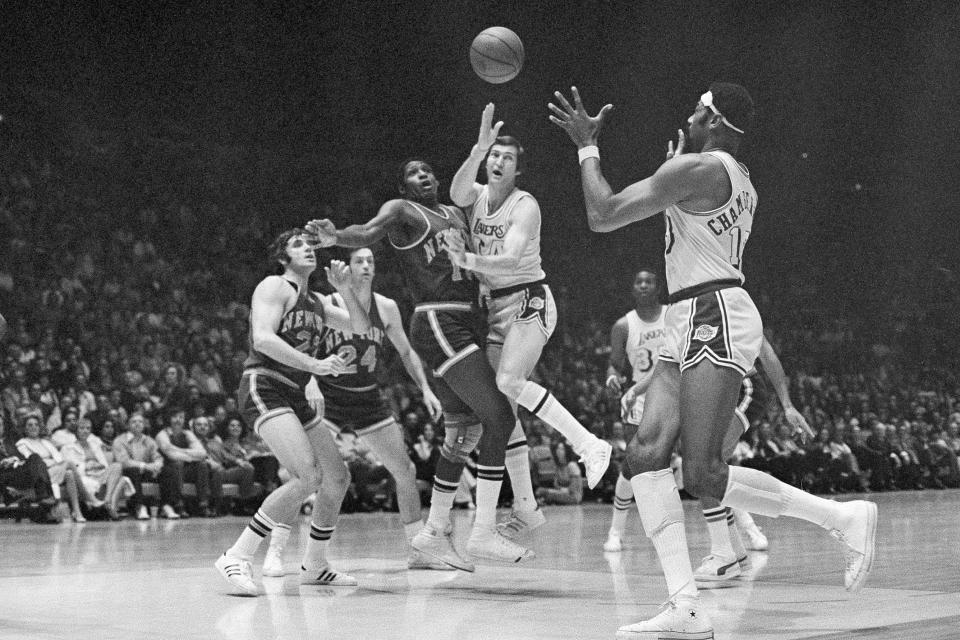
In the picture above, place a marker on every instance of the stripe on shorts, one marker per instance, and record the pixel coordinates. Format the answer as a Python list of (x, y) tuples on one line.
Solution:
[(442, 369), (269, 415)]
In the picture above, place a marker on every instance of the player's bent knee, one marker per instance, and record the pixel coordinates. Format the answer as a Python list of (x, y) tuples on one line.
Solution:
[(705, 479), (643, 456), (510, 385), (462, 435)]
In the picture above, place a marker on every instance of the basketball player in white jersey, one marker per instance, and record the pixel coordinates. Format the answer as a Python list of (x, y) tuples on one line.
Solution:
[(505, 233), (635, 341), (713, 335)]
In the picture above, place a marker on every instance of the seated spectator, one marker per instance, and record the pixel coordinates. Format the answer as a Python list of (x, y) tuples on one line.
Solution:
[(875, 456), (185, 460), (265, 467), (26, 474), (567, 482), (908, 474), (100, 477), (265, 464), (141, 461), (230, 468), (67, 433), (943, 461), (849, 476), (170, 390), (61, 472)]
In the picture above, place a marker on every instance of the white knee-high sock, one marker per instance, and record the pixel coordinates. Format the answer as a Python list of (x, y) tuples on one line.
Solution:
[(719, 530), (622, 497), (518, 467), (743, 519), (315, 556), (757, 492), (541, 403), (489, 481), (256, 530), (658, 501)]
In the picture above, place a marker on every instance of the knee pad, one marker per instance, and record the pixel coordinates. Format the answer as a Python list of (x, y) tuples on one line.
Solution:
[(462, 435), (659, 500)]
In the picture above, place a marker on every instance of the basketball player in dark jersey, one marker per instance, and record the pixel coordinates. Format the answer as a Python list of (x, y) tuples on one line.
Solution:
[(288, 324), (446, 330), (352, 401)]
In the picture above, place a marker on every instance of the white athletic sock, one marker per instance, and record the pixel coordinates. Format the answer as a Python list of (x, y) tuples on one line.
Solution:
[(717, 527), (518, 467), (541, 402), (411, 529), (440, 504), (488, 493), (622, 497), (279, 536), (757, 492), (253, 534), (658, 501), (315, 556), (734, 532)]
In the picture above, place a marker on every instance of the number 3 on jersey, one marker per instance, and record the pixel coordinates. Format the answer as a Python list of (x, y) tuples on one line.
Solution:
[(348, 353)]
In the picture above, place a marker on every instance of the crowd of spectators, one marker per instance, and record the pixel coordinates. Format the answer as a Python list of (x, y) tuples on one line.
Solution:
[(125, 275)]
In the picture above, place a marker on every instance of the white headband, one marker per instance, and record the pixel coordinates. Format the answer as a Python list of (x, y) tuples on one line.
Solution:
[(707, 101)]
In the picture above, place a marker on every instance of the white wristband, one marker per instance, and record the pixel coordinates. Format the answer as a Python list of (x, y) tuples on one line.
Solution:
[(470, 261), (591, 151)]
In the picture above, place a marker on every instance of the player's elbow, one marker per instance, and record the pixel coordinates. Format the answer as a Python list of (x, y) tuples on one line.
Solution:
[(599, 218)]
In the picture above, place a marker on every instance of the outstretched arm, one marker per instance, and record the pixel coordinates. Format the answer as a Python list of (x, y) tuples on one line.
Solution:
[(606, 210), (525, 222), (774, 370), (393, 326), (355, 318), (357, 235), (464, 188)]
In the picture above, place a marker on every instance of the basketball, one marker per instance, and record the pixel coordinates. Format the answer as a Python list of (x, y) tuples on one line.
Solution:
[(496, 55)]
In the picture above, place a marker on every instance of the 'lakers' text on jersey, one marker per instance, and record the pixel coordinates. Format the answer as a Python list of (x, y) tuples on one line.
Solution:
[(361, 353), (428, 271), (487, 232), (643, 345), (303, 328), (702, 246)]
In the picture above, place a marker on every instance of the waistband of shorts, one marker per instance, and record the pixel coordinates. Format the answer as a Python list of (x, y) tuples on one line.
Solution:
[(423, 307), (322, 382), (270, 373), (500, 293), (700, 289)]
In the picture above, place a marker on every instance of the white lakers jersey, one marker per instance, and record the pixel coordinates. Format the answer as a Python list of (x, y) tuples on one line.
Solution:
[(487, 231), (643, 346), (708, 245)]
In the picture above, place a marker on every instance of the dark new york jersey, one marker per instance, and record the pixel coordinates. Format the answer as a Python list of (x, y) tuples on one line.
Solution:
[(303, 328), (360, 352), (429, 274)]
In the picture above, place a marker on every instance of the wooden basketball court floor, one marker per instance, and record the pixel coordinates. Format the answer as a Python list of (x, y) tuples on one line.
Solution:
[(155, 579)]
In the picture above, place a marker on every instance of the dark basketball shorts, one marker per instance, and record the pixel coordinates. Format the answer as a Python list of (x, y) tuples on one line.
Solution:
[(754, 400), (264, 394), (444, 333), (722, 326), (360, 411)]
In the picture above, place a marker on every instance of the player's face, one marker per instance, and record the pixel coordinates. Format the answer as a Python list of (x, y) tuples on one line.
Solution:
[(361, 266), (645, 287), (419, 182), (502, 164), (303, 257), (697, 127)]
